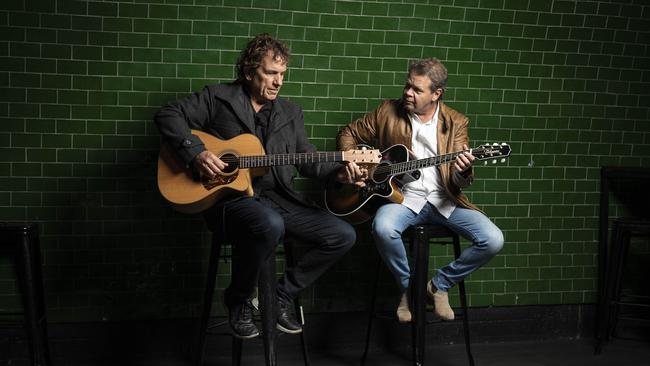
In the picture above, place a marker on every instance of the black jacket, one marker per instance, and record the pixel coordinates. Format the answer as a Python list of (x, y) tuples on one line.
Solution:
[(225, 111)]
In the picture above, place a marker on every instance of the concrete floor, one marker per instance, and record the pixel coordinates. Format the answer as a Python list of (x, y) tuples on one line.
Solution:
[(166, 343)]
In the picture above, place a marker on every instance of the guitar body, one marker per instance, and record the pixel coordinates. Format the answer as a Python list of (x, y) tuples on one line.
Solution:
[(187, 195), (357, 205)]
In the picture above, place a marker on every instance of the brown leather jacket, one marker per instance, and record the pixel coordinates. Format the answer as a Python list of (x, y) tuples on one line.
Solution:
[(389, 124)]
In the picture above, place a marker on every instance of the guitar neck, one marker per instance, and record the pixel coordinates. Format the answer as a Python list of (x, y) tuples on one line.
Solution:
[(413, 165), (258, 161)]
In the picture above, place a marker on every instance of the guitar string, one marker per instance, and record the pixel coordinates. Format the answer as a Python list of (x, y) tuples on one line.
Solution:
[(410, 165), (320, 155), (397, 167)]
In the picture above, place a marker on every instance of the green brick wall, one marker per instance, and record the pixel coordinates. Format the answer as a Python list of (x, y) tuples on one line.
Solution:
[(564, 82)]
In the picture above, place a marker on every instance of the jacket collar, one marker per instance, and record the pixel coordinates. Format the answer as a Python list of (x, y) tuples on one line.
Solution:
[(235, 95), (443, 117), (239, 101)]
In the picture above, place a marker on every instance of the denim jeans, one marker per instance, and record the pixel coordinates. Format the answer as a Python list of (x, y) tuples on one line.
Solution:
[(392, 219)]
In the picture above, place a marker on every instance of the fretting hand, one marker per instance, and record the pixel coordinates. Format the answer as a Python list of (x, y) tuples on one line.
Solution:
[(464, 161), (351, 173)]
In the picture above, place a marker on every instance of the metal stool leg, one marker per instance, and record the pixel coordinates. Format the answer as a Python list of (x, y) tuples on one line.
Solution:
[(268, 304), (418, 289), (31, 280), (208, 296), (290, 261), (371, 313), (237, 345), (463, 304), (620, 256), (606, 267)]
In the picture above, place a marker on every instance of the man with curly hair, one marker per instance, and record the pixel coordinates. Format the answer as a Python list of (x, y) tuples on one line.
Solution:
[(255, 225)]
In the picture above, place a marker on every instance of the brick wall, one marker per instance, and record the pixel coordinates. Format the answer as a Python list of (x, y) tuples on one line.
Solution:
[(564, 82)]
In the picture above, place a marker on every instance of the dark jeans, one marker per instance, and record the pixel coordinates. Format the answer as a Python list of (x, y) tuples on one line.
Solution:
[(255, 226)]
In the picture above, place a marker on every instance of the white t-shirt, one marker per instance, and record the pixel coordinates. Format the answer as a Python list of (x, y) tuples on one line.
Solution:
[(429, 187)]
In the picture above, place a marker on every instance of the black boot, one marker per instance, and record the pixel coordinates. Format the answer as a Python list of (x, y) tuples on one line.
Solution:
[(241, 320), (287, 322)]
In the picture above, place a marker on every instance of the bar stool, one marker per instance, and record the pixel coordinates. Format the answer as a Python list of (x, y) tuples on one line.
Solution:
[(267, 290), (623, 230), (420, 236), (21, 241)]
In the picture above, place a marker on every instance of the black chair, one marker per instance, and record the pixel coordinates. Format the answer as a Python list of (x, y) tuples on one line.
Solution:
[(628, 187), (615, 299), (420, 236), (268, 306), (22, 243)]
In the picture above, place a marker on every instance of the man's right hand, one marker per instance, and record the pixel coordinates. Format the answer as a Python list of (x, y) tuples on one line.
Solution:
[(208, 164)]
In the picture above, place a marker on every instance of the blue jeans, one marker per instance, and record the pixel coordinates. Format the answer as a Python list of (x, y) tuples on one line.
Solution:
[(392, 219)]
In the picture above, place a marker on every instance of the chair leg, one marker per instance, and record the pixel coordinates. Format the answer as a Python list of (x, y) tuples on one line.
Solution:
[(463, 304), (290, 262), (208, 296), (418, 289), (237, 345), (268, 306), (621, 255), (31, 281), (303, 341), (371, 313)]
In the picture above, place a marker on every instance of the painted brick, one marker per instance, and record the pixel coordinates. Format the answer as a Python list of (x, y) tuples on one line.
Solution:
[(540, 75)]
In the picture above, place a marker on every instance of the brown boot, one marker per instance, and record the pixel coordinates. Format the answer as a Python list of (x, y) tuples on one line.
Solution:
[(440, 302), (403, 312)]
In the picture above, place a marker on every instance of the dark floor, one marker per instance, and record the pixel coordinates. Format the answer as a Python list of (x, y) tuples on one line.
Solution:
[(337, 340)]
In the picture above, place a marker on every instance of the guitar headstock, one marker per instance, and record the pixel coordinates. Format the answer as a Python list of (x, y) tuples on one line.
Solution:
[(492, 152), (362, 156)]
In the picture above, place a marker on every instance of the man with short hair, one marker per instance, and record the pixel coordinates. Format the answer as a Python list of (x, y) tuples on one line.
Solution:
[(255, 225), (427, 127)]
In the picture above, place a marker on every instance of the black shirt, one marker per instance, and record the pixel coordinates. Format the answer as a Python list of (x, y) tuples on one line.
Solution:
[(267, 185)]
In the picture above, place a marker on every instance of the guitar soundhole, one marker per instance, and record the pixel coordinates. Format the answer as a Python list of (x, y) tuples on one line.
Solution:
[(229, 174), (381, 173), (233, 163)]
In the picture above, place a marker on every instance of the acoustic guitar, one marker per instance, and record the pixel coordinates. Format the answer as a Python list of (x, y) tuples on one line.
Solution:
[(357, 205), (246, 159)]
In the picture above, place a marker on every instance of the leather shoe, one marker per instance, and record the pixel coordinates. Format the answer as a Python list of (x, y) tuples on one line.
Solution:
[(440, 302), (403, 311), (241, 321), (287, 322)]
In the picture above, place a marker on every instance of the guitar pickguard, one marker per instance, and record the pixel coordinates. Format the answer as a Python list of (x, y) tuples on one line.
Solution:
[(219, 180)]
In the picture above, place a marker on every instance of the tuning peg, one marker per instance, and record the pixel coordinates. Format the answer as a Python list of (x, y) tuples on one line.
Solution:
[(503, 144), (503, 160), (494, 161), (485, 162), (364, 148), (495, 144)]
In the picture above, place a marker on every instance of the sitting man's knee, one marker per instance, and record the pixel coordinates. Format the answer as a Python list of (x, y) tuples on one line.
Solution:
[(346, 236), (495, 241)]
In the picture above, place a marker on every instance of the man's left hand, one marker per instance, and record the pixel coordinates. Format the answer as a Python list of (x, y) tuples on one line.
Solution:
[(351, 173), (464, 161)]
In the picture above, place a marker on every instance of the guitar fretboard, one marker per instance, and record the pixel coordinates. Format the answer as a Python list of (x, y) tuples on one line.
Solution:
[(411, 165), (289, 159)]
